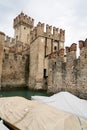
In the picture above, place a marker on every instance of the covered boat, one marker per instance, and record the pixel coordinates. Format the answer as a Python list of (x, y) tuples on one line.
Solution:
[(33, 115), (66, 102)]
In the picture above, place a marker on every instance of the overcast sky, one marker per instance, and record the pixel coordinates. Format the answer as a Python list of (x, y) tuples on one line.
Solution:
[(70, 15)]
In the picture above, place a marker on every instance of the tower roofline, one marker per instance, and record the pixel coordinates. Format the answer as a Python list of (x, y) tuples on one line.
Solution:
[(23, 19)]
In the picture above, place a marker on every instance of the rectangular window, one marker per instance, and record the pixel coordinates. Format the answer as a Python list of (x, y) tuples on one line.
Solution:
[(44, 73), (55, 48)]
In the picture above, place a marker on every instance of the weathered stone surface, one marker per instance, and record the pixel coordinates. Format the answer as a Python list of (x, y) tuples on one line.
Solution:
[(13, 71), (70, 75), (36, 58)]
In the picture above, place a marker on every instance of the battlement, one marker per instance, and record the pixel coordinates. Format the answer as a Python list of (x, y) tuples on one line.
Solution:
[(9, 41), (69, 51), (55, 32), (83, 49), (38, 30), (2, 37), (56, 54), (53, 55), (7, 38), (13, 56), (51, 32), (69, 57), (1, 33), (82, 43), (61, 52), (85, 42), (73, 47), (62, 35), (23, 19), (12, 41), (12, 49), (18, 47), (48, 30)]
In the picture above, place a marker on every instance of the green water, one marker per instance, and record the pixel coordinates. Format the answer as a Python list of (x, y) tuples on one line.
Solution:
[(23, 93)]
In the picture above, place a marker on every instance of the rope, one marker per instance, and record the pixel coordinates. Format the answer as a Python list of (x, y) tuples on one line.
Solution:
[(80, 123)]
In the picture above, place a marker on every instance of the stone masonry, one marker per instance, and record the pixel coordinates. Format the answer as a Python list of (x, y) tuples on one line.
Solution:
[(68, 73), (24, 58), (36, 58)]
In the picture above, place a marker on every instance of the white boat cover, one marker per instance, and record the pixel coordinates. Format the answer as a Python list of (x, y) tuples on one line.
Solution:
[(2, 126), (66, 102), (33, 115)]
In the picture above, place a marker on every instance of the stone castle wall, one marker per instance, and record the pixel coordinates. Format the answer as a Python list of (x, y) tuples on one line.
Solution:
[(13, 70), (14, 62), (51, 32), (70, 75), (42, 44), (35, 58), (33, 63)]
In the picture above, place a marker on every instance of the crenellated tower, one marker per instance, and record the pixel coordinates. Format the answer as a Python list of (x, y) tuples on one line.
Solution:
[(22, 27), (43, 44), (38, 43)]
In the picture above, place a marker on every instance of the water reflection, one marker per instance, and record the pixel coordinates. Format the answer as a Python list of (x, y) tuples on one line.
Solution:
[(24, 93)]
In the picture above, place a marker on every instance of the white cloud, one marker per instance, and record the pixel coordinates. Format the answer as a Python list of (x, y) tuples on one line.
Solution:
[(69, 15)]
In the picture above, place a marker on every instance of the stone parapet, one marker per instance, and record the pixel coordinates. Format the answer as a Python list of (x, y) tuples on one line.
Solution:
[(2, 38), (51, 32), (23, 19), (67, 49), (86, 42), (53, 55), (69, 75), (2, 33), (73, 47), (81, 44), (61, 52)]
